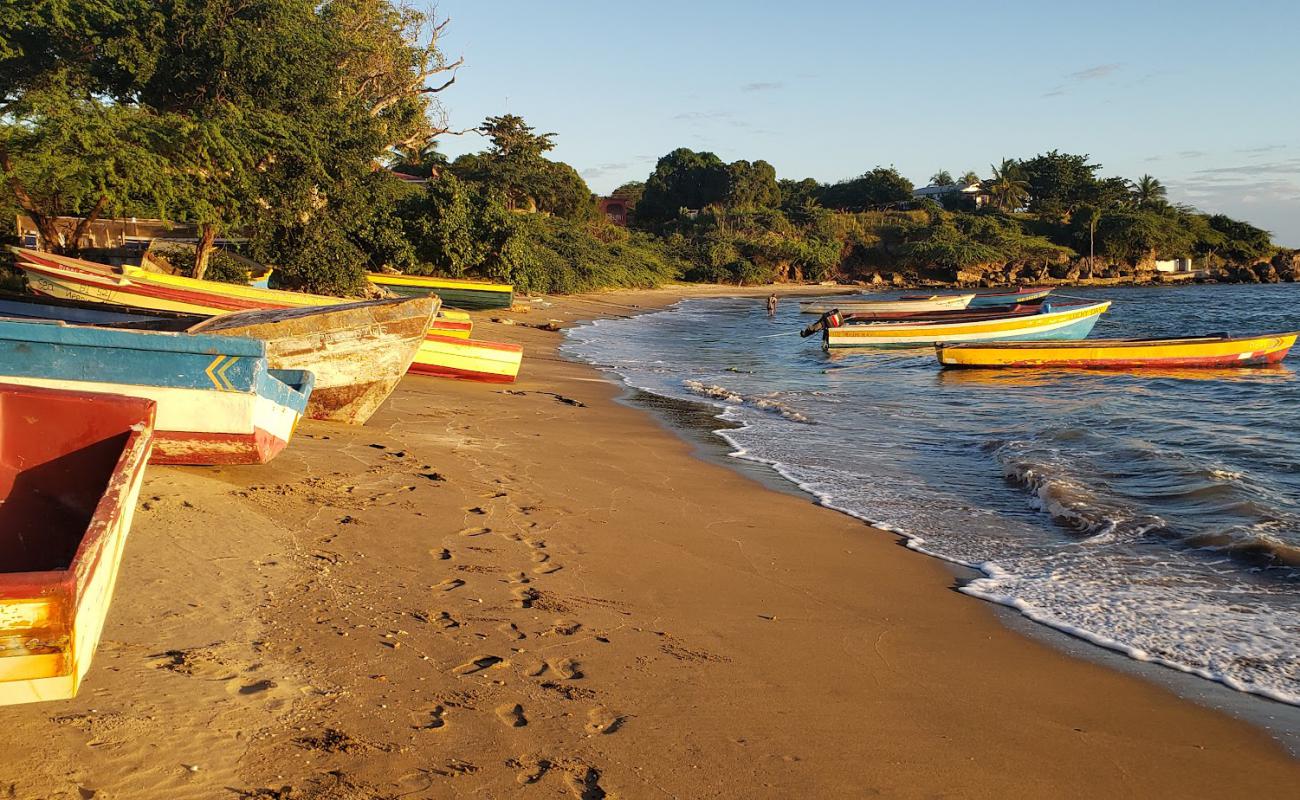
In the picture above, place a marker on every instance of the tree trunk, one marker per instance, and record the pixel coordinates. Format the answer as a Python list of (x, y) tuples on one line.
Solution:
[(207, 235), (74, 243)]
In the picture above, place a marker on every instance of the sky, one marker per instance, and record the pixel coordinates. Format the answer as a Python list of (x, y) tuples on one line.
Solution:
[(1203, 95)]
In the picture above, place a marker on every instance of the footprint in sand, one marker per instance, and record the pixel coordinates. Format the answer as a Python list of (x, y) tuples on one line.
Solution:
[(475, 531), (430, 720), (540, 557), (531, 770), (441, 553), (512, 715), (525, 596), (534, 669), (536, 544), (444, 621), (584, 782), (449, 584), (601, 720), (511, 630), (547, 568), (566, 668), (480, 510), (478, 665), (518, 577)]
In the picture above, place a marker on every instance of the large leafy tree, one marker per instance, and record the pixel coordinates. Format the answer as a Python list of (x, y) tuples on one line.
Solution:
[(514, 170), (752, 185), (1059, 183), (217, 112), (683, 179), (881, 186)]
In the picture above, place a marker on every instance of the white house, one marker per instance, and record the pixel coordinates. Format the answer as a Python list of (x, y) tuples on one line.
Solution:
[(936, 192), (1175, 265)]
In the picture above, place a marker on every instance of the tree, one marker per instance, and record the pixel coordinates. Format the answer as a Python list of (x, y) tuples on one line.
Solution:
[(421, 161), (752, 185), (941, 178), (970, 178), (1059, 183), (514, 170), (1090, 216), (1008, 187), (630, 191), (683, 179), (880, 187), (1149, 193), (1242, 242)]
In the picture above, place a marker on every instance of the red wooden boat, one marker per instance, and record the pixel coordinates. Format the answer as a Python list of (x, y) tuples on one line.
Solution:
[(71, 465)]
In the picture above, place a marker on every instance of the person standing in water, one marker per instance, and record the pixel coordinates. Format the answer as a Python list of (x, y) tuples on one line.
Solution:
[(771, 304)]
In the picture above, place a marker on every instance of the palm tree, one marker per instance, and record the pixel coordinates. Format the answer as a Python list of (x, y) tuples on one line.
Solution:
[(970, 178), (1149, 193), (1008, 187), (941, 178), (419, 160)]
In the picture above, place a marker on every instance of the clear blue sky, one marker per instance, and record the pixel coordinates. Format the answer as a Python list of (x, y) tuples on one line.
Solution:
[(1203, 95)]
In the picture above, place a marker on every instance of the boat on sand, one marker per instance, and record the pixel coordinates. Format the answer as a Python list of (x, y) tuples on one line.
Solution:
[(71, 466)]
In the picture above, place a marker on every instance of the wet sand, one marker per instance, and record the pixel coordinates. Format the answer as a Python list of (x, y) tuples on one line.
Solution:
[(535, 590)]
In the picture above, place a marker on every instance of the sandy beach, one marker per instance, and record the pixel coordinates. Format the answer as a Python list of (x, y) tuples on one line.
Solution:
[(534, 590)]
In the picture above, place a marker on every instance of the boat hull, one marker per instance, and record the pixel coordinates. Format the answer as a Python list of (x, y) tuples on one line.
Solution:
[(89, 450), (74, 279), (448, 357), (1199, 353), (457, 293), (357, 352), (218, 402), (990, 299), (916, 306), (1068, 323)]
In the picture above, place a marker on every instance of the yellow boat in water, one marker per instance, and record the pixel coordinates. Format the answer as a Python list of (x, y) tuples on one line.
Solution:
[(1192, 351)]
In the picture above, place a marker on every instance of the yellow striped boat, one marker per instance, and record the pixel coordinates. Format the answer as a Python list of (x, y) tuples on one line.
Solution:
[(75, 279), (456, 292), (1192, 351), (1060, 322)]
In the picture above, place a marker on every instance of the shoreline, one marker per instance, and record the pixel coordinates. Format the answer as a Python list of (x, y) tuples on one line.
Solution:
[(704, 428), (537, 590)]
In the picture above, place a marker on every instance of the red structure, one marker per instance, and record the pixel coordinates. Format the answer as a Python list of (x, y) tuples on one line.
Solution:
[(618, 209)]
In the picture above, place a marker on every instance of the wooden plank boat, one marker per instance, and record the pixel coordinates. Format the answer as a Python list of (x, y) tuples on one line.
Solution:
[(218, 400), (448, 357), (1058, 322), (455, 292), (76, 279), (961, 314), (1023, 294), (357, 351), (1177, 353), (914, 305), (71, 466), (63, 277)]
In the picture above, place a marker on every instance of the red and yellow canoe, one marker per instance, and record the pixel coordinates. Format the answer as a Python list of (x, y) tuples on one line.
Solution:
[(1193, 351), (71, 466), (76, 279)]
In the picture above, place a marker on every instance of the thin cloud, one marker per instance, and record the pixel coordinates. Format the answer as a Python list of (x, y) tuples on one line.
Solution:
[(1255, 151), (1191, 153), (602, 170), (1090, 74), (762, 86), (698, 116), (1094, 73)]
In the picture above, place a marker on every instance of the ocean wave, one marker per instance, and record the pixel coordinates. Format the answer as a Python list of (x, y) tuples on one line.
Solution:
[(764, 403)]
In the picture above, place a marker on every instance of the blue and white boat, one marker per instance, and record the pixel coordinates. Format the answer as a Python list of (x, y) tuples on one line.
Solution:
[(218, 401)]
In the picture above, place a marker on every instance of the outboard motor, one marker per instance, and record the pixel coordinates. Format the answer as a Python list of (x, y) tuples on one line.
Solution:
[(831, 319)]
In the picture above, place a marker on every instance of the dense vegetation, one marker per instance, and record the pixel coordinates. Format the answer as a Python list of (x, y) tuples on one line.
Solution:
[(286, 120)]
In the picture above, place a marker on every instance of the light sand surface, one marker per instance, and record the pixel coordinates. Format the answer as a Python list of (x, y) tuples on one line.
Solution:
[(534, 591)]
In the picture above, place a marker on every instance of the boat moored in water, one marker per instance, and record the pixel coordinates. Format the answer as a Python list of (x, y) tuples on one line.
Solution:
[(71, 466), (1179, 353), (913, 305), (1051, 322), (1002, 297)]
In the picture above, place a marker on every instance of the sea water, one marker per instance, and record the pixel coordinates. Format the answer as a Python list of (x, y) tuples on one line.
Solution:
[(1154, 513)]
